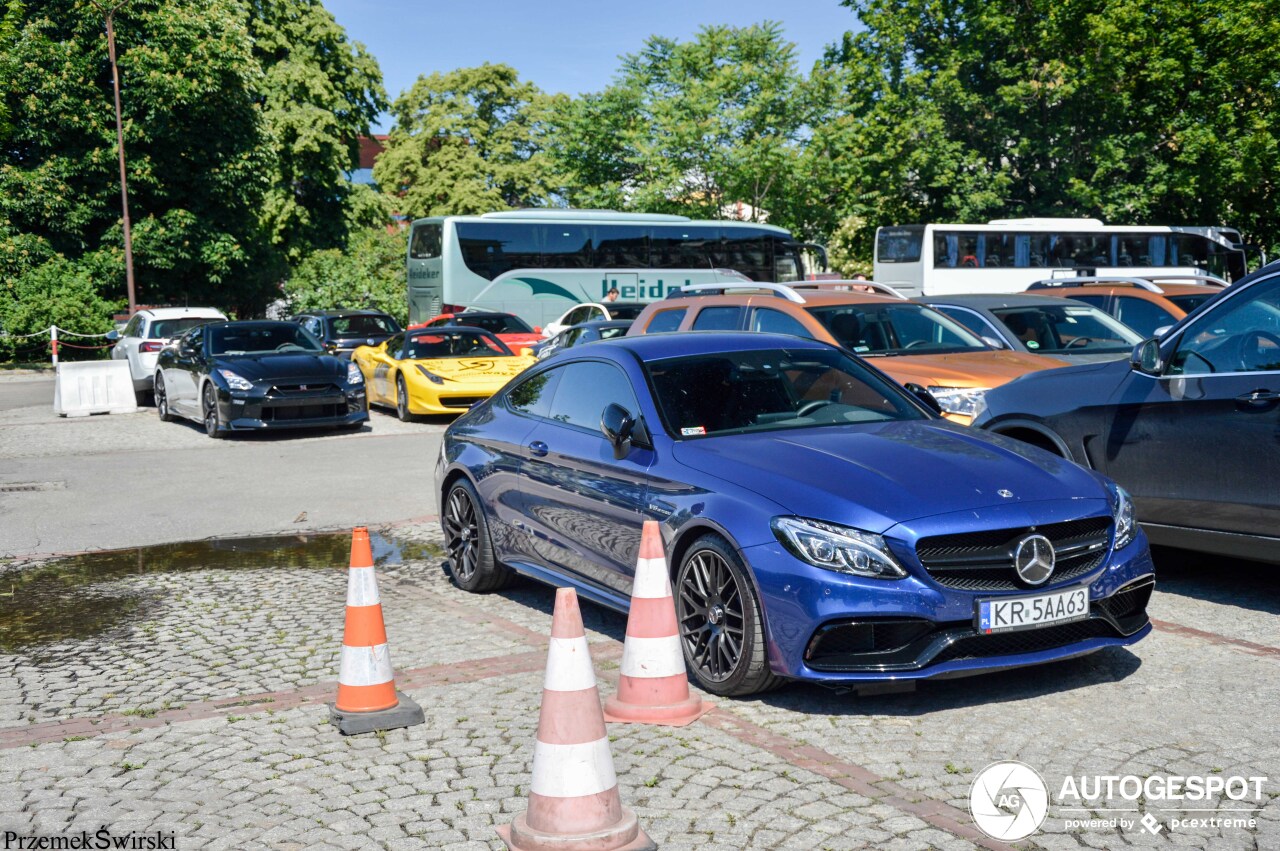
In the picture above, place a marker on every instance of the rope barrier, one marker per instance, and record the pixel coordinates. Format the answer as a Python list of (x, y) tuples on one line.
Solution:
[(62, 344)]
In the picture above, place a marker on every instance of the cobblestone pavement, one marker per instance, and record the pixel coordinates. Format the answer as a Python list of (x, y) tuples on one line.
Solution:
[(195, 705)]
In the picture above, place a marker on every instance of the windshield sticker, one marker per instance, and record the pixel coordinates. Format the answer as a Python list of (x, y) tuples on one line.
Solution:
[(862, 348), (691, 432), (1032, 344)]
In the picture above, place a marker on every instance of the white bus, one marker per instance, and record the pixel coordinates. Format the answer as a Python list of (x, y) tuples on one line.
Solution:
[(1007, 255), (538, 263)]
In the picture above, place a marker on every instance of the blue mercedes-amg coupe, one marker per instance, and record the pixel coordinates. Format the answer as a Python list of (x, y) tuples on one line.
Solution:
[(821, 523)]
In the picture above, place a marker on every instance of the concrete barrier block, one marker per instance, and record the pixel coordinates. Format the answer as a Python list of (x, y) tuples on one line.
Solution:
[(94, 387)]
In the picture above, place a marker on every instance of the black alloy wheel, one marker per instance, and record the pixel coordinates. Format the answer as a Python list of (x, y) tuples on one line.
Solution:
[(466, 535), (162, 400), (209, 405), (402, 401), (721, 629)]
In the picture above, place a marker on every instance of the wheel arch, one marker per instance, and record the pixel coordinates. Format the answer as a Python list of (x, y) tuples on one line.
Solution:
[(1034, 433), (689, 534)]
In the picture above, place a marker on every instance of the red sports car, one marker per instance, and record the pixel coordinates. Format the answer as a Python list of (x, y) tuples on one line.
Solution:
[(507, 327)]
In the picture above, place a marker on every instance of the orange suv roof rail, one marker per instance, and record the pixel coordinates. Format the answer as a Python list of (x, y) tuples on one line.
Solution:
[(1203, 280), (847, 286), (721, 288), (1102, 281)]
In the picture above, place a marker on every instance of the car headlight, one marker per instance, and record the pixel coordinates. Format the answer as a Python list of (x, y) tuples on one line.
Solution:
[(435, 379), (235, 382), (354, 375), (1126, 520), (838, 548), (963, 401)]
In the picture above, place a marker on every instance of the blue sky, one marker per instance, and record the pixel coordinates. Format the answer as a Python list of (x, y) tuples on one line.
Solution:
[(569, 46)]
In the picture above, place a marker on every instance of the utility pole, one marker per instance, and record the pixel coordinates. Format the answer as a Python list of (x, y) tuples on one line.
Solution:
[(124, 183)]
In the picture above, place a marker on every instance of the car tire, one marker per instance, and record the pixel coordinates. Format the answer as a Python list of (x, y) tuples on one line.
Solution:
[(162, 400), (402, 401), (209, 410), (466, 536), (709, 619)]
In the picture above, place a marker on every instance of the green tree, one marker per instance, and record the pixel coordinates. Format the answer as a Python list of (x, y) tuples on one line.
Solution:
[(368, 273), (694, 127), (468, 141), (56, 292)]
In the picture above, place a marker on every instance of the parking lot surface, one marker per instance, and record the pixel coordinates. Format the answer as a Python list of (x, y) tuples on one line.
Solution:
[(182, 690)]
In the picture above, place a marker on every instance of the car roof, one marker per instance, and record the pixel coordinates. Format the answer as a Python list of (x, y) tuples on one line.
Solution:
[(649, 347), (811, 298), (342, 312), (180, 312), (991, 301), (477, 314), (603, 323)]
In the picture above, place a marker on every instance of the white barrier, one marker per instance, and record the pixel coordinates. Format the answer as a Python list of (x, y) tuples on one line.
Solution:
[(94, 387)]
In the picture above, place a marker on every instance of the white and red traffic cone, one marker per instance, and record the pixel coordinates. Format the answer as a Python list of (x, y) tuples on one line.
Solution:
[(654, 686), (574, 803)]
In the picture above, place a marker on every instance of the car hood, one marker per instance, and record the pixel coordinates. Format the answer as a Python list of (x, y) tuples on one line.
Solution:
[(875, 476), (963, 369), (277, 367), (466, 369)]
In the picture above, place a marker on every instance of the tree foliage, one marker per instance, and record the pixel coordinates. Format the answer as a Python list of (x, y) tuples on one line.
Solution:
[(469, 141), (368, 273)]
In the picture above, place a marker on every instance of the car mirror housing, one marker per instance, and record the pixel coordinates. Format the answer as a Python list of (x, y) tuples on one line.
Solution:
[(1161, 331), (924, 396), (1146, 357), (113, 335), (993, 342), (618, 425)]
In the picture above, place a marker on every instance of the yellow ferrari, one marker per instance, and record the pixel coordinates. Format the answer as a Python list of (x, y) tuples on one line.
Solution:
[(437, 370)]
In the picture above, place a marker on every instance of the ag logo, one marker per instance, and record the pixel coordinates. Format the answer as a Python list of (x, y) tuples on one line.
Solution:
[(1008, 801)]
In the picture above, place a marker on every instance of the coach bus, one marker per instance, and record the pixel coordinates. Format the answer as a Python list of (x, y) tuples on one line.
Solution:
[(1007, 255), (538, 263)]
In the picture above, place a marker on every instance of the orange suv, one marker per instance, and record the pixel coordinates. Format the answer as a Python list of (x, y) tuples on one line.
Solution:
[(911, 343), (1147, 305)]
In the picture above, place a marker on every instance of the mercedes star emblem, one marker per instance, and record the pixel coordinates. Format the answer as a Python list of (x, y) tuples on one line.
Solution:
[(1034, 559)]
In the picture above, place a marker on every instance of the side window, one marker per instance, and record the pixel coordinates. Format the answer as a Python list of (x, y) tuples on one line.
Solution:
[(134, 328), (588, 387), (718, 319), (1098, 301), (1141, 315), (426, 242), (666, 320), (968, 319), (532, 397), (395, 346), (1240, 335), (776, 322)]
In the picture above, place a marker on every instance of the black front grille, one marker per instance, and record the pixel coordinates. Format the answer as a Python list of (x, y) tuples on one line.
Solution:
[(289, 413), (866, 642), (1128, 606), (1025, 641), (460, 401), (320, 388), (983, 561)]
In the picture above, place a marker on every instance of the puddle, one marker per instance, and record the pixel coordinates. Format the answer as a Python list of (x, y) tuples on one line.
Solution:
[(80, 596)]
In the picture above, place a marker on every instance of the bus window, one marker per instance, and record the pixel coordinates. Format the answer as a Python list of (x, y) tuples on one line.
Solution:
[(683, 247), (426, 242), (899, 245), (748, 251), (491, 248), (787, 263), (565, 246), (621, 247)]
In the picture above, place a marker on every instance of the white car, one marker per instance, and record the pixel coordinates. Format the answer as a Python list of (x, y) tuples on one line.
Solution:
[(149, 331), (592, 312)]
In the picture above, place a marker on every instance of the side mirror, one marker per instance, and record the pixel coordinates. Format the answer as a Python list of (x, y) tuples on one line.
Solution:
[(1146, 357), (994, 343), (924, 396), (618, 425), (113, 335)]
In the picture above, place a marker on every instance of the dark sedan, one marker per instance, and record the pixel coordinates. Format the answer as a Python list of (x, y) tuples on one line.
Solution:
[(1190, 423), (249, 376), (1043, 325), (821, 523), (578, 335), (343, 330)]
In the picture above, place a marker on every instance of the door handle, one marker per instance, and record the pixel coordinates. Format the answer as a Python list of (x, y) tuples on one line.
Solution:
[(1258, 399), (538, 448)]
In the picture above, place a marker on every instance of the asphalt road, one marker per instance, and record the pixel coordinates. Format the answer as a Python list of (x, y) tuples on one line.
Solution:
[(110, 481)]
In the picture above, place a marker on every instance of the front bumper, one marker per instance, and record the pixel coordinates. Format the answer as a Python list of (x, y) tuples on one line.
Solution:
[(833, 628), (284, 406)]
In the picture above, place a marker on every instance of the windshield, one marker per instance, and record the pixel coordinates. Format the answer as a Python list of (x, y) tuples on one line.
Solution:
[(266, 338), (495, 324), (771, 390), (362, 326), (625, 311), (876, 328), (1189, 303), (176, 327), (453, 344), (1052, 329)]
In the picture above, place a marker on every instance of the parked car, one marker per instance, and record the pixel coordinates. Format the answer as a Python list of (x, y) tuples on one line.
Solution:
[(1147, 305), (250, 376), (437, 370), (507, 327), (821, 523), (1188, 423), (1042, 325), (593, 312), (913, 343), (587, 332), (342, 330), (149, 331)]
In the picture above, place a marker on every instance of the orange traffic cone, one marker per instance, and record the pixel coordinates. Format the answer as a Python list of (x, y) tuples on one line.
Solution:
[(367, 696), (574, 803), (653, 687)]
